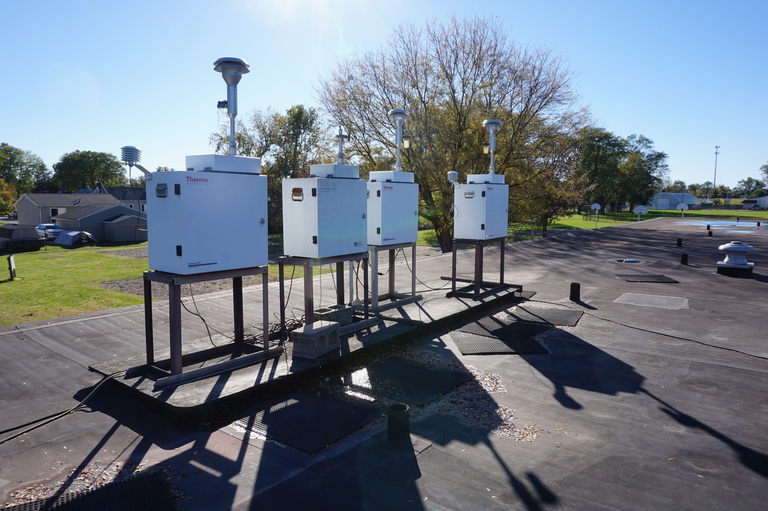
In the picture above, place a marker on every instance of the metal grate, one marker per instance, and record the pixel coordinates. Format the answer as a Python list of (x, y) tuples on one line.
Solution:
[(648, 278), (557, 317), (308, 422), (148, 492), (473, 344)]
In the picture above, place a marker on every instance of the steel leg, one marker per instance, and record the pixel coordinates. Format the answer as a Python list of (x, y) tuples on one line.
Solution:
[(478, 266), (375, 278), (309, 300), (237, 304), (174, 305), (283, 305), (265, 308), (148, 328)]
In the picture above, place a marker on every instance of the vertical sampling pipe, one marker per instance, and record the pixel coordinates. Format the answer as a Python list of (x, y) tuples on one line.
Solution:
[(493, 128), (341, 136), (398, 117)]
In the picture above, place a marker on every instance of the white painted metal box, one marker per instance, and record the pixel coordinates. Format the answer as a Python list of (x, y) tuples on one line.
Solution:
[(202, 222), (334, 170), (480, 211), (324, 217), (393, 213)]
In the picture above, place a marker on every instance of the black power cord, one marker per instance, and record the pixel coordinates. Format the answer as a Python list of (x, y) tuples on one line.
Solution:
[(38, 423)]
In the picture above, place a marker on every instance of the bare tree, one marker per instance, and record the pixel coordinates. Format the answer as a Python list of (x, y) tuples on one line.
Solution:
[(450, 77)]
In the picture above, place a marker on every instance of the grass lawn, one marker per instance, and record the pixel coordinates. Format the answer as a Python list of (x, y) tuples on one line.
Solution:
[(56, 281), (577, 221)]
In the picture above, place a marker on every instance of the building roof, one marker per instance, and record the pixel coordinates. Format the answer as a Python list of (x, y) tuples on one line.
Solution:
[(123, 218), (122, 193), (86, 211), (688, 198), (636, 401), (68, 200)]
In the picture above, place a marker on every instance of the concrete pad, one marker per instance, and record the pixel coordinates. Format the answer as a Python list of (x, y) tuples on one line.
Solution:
[(662, 302)]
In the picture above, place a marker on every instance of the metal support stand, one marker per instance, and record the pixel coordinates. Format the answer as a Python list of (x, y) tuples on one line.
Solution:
[(309, 301), (171, 370), (478, 285), (396, 300)]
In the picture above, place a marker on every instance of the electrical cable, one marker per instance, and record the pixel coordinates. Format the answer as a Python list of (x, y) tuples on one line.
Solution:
[(290, 285), (207, 328), (56, 416), (388, 267), (419, 280), (335, 287), (640, 329), (290, 324), (356, 271)]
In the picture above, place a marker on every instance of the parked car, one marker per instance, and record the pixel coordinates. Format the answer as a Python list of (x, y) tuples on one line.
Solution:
[(48, 231)]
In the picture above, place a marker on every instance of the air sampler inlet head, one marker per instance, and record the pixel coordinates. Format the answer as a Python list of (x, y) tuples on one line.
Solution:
[(231, 69)]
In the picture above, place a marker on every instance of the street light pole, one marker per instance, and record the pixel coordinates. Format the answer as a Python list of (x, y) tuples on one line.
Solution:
[(714, 179)]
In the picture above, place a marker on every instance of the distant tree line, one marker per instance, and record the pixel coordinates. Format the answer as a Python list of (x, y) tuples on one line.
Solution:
[(449, 77), (749, 188), (23, 172)]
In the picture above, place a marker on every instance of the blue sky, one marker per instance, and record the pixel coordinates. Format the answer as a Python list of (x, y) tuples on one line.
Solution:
[(96, 75)]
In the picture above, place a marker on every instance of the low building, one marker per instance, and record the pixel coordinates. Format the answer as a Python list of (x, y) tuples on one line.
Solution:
[(667, 200), (115, 223), (134, 197), (41, 208)]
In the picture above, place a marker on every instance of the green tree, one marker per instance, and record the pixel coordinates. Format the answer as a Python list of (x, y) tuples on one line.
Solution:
[(749, 188), (702, 191), (621, 171), (23, 171), (722, 192), (642, 171), (255, 136), (600, 155), (548, 187), (449, 77), (7, 197), (679, 187), (287, 145), (88, 169)]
